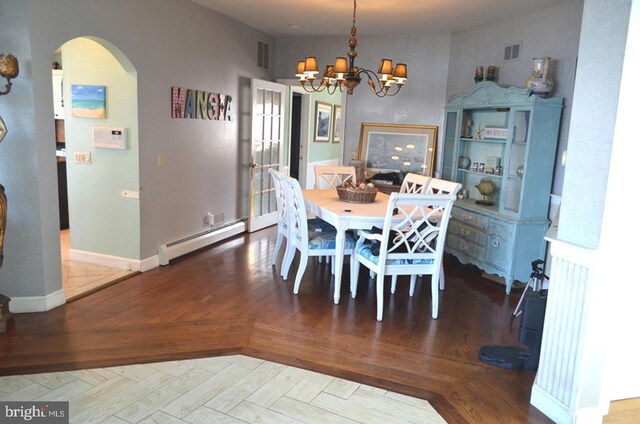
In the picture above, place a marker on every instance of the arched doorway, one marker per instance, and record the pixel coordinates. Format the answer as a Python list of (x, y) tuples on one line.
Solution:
[(98, 92)]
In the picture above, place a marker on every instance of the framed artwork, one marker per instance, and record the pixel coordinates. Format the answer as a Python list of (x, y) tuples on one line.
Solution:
[(337, 123), (395, 147), (88, 101), (323, 122)]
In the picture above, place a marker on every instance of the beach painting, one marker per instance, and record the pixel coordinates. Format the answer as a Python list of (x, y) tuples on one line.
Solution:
[(88, 101)]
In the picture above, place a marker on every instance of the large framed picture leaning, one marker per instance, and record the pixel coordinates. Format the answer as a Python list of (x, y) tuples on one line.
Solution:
[(397, 148)]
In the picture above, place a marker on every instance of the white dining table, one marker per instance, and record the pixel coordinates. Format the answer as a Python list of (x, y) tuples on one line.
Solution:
[(344, 216)]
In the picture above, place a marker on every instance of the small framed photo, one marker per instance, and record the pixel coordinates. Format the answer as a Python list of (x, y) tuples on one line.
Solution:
[(323, 122), (337, 123)]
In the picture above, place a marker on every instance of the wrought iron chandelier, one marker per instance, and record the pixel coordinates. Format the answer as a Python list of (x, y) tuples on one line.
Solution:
[(387, 82)]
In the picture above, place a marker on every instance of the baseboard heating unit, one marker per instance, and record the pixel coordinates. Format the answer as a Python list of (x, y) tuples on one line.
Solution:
[(185, 245)]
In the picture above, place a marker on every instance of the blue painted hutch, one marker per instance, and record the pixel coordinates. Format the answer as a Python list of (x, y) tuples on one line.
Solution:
[(506, 139)]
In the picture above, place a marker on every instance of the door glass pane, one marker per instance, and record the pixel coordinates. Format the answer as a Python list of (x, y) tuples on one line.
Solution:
[(276, 103), (267, 127), (257, 180), (258, 154), (276, 129), (260, 101), (268, 102), (267, 153), (265, 202), (275, 153), (449, 143), (521, 126), (512, 199)]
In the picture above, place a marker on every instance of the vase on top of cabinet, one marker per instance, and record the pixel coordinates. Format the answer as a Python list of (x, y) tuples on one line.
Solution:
[(539, 82), (512, 147)]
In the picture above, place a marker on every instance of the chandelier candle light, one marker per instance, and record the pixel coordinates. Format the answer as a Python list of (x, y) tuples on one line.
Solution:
[(341, 75)]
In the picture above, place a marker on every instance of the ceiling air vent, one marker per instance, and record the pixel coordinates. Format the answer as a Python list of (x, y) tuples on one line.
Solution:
[(512, 52), (263, 55)]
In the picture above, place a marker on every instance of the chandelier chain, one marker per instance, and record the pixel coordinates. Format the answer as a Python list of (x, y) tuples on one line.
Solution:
[(354, 12)]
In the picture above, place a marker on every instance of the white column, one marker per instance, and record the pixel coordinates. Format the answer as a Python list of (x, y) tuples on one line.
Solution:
[(568, 383)]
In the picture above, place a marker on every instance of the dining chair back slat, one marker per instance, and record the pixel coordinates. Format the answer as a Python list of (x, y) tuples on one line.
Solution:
[(333, 176), (415, 183)]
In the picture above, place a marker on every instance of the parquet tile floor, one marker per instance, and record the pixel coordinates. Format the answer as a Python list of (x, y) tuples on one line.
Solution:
[(80, 279), (226, 389)]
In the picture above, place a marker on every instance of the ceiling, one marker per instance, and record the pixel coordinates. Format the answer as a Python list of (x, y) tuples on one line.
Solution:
[(333, 18)]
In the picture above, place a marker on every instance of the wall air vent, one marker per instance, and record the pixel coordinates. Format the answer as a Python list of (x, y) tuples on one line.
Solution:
[(263, 55), (512, 51)]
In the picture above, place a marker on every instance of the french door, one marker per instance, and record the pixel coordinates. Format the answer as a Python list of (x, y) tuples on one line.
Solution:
[(267, 132)]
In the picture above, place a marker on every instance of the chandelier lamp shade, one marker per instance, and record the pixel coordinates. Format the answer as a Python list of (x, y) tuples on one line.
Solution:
[(343, 74)]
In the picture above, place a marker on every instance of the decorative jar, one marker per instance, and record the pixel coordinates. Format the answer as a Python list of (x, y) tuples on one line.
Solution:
[(539, 83)]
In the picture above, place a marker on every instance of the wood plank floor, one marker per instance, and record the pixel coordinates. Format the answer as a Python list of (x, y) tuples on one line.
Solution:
[(228, 299)]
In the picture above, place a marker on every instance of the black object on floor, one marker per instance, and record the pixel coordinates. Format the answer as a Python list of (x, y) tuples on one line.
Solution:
[(511, 357), (530, 334)]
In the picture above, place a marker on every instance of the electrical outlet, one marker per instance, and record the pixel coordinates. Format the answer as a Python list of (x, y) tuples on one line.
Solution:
[(210, 219), (160, 159), (82, 158), (354, 155)]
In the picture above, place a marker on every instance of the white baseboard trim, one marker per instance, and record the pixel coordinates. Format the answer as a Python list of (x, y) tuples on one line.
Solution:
[(177, 248), (549, 405), (149, 263), (26, 304), (108, 260)]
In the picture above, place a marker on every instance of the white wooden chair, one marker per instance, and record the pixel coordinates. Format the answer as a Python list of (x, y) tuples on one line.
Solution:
[(412, 183), (309, 243), (439, 186), (412, 243), (434, 186), (333, 176), (415, 183), (314, 224)]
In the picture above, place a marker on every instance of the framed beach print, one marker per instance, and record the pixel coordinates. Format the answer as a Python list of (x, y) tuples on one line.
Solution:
[(394, 147), (323, 122), (337, 123), (88, 101)]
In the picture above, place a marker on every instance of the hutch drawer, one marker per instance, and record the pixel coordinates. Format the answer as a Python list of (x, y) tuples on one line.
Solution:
[(467, 232), (470, 218), (472, 250)]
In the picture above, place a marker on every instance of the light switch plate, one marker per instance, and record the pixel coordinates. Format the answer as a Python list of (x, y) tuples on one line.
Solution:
[(82, 158), (130, 194)]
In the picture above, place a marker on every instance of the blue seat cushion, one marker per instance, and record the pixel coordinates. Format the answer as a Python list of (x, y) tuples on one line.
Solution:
[(365, 251), (327, 241), (317, 224)]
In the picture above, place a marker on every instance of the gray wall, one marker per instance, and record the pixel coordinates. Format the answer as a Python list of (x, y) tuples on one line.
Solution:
[(602, 46), (26, 269), (553, 32), (170, 43), (420, 102)]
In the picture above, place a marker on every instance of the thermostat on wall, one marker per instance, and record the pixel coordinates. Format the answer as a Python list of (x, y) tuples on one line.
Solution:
[(110, 138)]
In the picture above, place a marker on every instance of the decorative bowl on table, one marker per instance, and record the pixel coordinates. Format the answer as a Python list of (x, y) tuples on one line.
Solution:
[(362, 194)]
